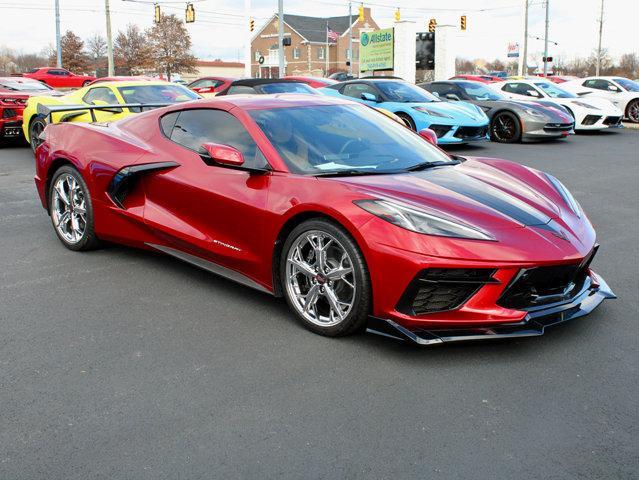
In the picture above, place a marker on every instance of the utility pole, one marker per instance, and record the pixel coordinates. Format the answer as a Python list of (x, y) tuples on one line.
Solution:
[(350, 38), (280, 36), (601, 17), (247, 42), (111, 69), (58, 45), (523, 55), (546, 40)]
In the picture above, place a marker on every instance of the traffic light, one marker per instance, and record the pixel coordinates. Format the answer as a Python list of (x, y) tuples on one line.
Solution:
[(463, 22), (251, 24), (361, 13), (398, 15), (190, 13), (432, 23), (158, 14)]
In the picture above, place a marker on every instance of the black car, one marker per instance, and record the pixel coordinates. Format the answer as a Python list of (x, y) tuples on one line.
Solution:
[(263, 86)]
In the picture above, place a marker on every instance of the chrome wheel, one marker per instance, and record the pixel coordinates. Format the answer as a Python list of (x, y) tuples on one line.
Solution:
[(633, 111), (68, 208), (320, 278)]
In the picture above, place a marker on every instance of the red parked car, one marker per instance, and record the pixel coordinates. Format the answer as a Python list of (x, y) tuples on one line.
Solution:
[(209, 85), (478, 78), (557, 78), (59, 77), (315, 82), (354, 219), (14, 93)]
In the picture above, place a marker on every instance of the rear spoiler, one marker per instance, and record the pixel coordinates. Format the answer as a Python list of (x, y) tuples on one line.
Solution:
[(47, 111)]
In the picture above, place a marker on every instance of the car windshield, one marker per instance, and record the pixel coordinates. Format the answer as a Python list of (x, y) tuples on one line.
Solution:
[(554, 91), (24, 86), (344, 140), (404, 92), (284, 87), (156, 94), (628, 84), (477, 91)]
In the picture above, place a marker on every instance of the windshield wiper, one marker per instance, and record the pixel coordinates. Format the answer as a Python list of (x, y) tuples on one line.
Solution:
[(348, 173), (425, 165)]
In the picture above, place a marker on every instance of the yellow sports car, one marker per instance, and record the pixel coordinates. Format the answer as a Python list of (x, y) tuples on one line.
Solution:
[(136, 94)]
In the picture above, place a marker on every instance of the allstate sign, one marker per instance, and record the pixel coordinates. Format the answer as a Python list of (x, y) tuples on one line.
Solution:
[(376, 50)]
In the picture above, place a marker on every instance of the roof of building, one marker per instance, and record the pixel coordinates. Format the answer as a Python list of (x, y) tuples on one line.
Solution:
[(219, 63), (313, 29)]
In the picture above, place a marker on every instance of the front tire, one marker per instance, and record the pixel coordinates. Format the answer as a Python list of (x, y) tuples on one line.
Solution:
[(35, 129), (325, 279), (71, 210), (505, 128), (632, 111)]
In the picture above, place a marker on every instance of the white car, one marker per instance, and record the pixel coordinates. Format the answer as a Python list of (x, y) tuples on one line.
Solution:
[(623, 92), (589, 113)]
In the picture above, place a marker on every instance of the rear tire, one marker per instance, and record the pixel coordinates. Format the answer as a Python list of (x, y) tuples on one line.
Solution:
[(84, 84), (325, 279), (632, 111), (71, 210), (505, 128), (36, 127)]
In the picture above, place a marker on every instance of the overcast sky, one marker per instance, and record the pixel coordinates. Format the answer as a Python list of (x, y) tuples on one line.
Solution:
[(217, 32)]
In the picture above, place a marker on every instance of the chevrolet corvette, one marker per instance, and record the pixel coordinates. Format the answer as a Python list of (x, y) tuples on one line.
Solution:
[(106, 93), (354, 219), (622, 92)]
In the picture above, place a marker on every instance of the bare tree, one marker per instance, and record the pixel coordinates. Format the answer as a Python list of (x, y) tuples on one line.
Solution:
[(607, 64), (629, 65), (132, 51), (171, 47), (463, 65)]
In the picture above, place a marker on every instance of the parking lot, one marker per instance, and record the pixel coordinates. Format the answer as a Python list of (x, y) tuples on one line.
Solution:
[(122, 363)]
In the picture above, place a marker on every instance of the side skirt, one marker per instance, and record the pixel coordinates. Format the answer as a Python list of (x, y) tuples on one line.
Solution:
[(211, 267)]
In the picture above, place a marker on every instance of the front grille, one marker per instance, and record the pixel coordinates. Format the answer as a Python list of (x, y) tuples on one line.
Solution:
[(471, 132), (443, 289), (9, 113), (591, 119), (612, 121), (440, 130), (558, 127), (537, 286)]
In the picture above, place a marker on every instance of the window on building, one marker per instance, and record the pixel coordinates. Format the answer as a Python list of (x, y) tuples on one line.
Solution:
[(257, 55), (347, 55), (296, 53), (321, 53)]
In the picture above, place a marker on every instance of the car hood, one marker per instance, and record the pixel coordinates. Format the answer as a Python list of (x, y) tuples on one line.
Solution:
[(552, 112), (496, 196), (450, 109)]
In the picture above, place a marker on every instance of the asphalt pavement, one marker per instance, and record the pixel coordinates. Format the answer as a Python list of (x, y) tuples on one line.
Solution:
[(124, 364)]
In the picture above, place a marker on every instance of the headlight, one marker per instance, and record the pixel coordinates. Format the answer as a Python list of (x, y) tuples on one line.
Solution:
[(566, 195), (534, 113), (421, 222), (431, 112), (585, 105)]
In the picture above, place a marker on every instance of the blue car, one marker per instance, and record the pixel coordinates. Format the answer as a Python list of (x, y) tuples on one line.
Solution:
[(453, 123)]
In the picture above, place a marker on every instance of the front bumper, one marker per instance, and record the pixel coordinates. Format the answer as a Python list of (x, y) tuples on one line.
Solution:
[(458, 134), (539, 130), (595, 291)]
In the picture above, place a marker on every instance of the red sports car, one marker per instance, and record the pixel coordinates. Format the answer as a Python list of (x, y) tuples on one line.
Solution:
[(59, 77), (315, 82), (14, 93), (354, 219), (209, 85)]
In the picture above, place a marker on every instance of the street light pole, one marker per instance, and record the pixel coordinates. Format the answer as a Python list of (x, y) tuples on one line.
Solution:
[(350, 38), (58, 44), (601, 16), (546, 40), (280, 36), (111, 68), (523, 56)]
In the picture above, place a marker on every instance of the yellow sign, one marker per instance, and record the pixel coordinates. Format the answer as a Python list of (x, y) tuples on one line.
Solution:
[(376, 50)]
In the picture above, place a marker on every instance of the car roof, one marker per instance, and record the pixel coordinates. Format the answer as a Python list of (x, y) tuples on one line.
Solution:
[(251, 82), (133, 83)]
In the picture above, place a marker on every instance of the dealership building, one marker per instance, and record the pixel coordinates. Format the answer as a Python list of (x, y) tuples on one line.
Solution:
[(309, 53)]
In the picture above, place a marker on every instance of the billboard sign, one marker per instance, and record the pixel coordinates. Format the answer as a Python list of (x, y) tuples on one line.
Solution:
[(513, 50), (376, 50)]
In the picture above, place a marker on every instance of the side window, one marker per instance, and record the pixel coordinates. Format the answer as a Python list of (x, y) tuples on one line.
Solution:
[(238, 89), (355, 90), (206, 83), (444, 88), (103, 94), (196, 127), (167, 122)]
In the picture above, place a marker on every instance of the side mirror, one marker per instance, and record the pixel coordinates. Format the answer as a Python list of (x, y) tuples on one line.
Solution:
[(612, 88), (429, 135), (224, 154), (369, 97), (532, 93), (452, 96)]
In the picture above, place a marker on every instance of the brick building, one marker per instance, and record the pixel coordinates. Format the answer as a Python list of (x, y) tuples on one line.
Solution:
[(308, 53)]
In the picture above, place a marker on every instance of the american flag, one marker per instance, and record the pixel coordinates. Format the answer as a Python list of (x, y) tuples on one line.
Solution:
[(331, 35)]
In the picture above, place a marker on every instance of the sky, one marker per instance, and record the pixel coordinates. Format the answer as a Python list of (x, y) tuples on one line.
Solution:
[(29, 25)]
